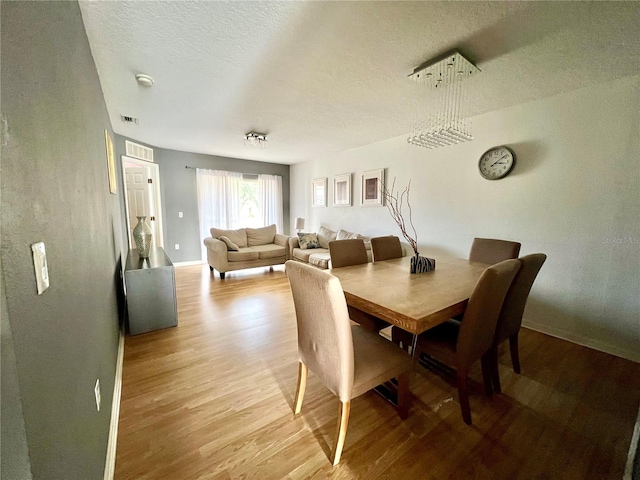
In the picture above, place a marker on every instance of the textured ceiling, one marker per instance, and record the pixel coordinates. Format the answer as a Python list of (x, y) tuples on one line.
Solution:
[(322, 77)]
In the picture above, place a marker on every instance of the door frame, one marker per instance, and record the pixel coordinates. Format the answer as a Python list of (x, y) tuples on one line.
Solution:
[(155, 176)]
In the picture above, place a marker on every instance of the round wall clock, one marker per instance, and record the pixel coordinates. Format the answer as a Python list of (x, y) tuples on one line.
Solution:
[(496, 163)]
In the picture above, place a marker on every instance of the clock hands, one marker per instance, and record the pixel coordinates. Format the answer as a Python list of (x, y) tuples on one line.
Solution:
[(498, 161)]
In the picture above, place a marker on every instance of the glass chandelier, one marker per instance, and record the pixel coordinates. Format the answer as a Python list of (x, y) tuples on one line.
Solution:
[(255, 139), (442, 121)]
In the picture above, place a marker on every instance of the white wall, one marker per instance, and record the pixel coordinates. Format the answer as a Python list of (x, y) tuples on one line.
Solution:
[(574, 195)]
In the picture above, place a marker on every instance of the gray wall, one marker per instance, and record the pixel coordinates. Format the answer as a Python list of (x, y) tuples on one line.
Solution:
[(179, 194), (55, 189)]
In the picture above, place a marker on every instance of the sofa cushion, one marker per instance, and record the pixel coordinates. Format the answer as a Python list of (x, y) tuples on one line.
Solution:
[(230, 245), (269, 251), (261, 236), (303, 255), (320, 260), (239, 237), (244, 255), (325, 236), (345, 235), (308, 240)]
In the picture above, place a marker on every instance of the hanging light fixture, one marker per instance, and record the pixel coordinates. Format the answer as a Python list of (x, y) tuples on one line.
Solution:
[(255, 139), (442, 120)]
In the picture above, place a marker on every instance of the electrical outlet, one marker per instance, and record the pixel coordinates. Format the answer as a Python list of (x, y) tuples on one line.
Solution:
[(177, 246), (96, 390), (180, 215), (40, 266)]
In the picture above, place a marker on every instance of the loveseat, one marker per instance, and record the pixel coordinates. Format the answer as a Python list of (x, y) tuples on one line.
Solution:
[(229, 250), (315, 251)]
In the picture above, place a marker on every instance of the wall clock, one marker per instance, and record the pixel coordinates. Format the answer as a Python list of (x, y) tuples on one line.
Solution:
[(496, 163)]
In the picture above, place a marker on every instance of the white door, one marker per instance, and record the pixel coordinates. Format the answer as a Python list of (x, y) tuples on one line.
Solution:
[(140, 197)]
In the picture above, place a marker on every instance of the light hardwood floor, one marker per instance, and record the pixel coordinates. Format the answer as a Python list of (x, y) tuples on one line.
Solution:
[(213, 398)]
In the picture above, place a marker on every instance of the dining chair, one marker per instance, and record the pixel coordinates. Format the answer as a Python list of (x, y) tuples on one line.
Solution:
[(385, 248), (461, 344), (510, 319), (345, 253), (492, 251), (346, 358)]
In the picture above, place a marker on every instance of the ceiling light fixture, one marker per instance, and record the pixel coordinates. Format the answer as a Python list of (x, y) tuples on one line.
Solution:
[(441, 120), (255, 139), (144, 80)]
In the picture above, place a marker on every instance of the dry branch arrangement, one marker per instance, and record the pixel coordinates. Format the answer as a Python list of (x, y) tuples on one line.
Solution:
[(395, 201)]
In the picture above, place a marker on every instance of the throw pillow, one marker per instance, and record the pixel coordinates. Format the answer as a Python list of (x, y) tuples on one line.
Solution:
[(325, 236), (344, 235), (308, 241), (230, 245)]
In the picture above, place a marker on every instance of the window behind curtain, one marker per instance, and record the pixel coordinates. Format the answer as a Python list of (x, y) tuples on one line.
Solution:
[(231, 200)]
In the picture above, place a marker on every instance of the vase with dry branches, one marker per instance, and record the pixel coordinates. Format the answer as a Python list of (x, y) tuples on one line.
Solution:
[(395, 202)]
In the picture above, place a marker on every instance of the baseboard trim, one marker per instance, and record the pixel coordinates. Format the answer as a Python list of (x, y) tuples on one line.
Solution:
[(110, 464), (633, 450), (634, 356), (186, 264)]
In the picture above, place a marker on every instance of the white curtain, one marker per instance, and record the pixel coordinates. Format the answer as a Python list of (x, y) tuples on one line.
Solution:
[(219, 197), (270, 198)]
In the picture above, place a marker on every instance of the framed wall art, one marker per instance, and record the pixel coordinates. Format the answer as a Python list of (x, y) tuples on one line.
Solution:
[(372, 182), (111, 163), (342, 190), (319, 192)]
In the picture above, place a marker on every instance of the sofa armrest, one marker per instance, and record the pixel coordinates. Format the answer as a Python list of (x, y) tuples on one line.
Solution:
[(283, 241), (217, 254), (293, 243)]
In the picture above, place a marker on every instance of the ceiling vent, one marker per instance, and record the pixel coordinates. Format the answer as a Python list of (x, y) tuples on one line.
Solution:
[(136, 150), (128, 119)]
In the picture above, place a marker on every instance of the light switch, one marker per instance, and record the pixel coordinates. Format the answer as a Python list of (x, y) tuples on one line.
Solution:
[(177, 246), (180, 215), (40, 266)]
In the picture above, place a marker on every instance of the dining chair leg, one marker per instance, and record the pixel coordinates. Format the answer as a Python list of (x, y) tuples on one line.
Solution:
[(343, 420), (403, 395), (302, 386), (486, 363), (495, 374), (463, 396), (515, 356)]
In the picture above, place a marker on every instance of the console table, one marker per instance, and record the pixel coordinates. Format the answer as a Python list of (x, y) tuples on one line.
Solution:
[(151, 292)]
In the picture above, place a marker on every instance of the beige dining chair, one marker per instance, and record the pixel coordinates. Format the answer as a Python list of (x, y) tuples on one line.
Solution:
[(346, 358), (345, 253), (510, 319), (385, 248), (492, 251), (461, 344)]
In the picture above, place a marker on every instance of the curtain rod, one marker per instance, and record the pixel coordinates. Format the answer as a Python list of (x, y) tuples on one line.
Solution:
[(243, 173)]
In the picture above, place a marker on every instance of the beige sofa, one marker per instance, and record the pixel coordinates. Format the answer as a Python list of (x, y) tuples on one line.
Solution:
[(319, 257), (229, 250)]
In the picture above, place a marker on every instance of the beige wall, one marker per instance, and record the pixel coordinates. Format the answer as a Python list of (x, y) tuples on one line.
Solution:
[(574, 195)]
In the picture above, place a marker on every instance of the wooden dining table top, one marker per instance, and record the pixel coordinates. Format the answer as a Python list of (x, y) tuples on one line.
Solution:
[(413, 302)]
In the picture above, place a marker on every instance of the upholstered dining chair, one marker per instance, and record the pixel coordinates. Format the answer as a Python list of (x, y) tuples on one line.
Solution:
[(510, 319), (385, 248), (492, 251), (346, 358), (345, 253), (461, 344)]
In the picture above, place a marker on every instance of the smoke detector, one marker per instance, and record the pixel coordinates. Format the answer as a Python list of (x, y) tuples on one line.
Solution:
[(144, 80)]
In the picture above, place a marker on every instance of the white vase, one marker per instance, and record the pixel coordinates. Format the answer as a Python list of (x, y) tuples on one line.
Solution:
[(142, 235)]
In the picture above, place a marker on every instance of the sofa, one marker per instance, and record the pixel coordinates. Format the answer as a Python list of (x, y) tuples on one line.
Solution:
[(229, 250), (315, 251)]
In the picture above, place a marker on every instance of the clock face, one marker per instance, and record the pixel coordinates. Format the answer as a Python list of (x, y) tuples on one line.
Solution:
[(496, 163)]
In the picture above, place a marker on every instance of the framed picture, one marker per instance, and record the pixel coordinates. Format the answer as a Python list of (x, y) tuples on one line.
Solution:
[(319, 192), (372, 182), (342, 190), (111, 163)]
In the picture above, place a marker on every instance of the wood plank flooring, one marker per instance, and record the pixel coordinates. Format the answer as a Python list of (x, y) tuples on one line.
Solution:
[(213, 399)]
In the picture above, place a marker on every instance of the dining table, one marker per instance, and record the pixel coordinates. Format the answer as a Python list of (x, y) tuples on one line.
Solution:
[(414, 302)]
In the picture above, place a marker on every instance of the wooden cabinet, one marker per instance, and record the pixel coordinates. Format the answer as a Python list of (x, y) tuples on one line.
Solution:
[(151, 292)]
